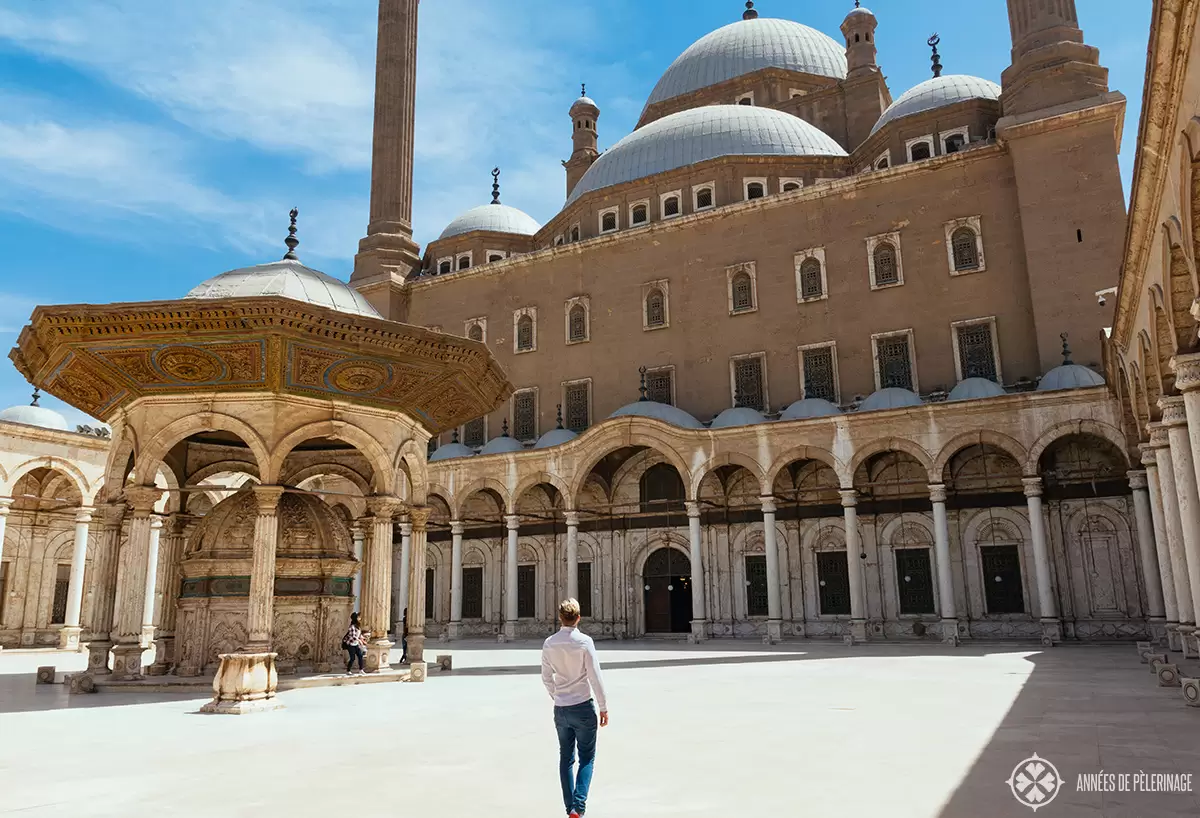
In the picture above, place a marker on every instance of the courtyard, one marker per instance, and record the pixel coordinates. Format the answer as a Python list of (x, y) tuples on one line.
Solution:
[(813, 729)]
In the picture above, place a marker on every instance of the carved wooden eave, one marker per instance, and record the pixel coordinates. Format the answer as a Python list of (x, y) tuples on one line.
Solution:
[(1172, 26), (99, 359)]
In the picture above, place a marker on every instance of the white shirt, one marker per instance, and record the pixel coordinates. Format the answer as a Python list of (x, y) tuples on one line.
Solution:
[(570, 669)]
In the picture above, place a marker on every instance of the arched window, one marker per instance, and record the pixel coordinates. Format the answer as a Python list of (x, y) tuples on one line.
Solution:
[(464, 262), (444, 268), (656, 314), (882, 164), (639, 214), (743, 292), (671, 206), (608, 222), (577, 321), (857, 38), (494, 257), (788, 187), (704, 197), (755, 190), (661, 488), (966, 251), (745, 101), (810, 279), (886, 271), (524, 333), (955, 142), (920, 150), (475, 333), (558, 241), (575, 233)]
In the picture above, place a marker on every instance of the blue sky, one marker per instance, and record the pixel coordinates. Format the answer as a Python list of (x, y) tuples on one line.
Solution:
[(147, 145)]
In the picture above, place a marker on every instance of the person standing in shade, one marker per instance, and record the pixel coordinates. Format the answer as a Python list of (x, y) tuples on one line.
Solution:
[(404, 638), (352, 643), (571, 674)]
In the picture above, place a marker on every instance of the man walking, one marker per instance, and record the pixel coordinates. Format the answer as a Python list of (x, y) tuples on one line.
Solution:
[(571, 674)]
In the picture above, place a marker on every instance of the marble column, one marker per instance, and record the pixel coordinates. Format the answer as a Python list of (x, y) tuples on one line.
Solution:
[(134, 559), (572, 518), (402, 593), (148, 600), (5, 505), (260, 617), (358, 536), (945, 568), (104, 584), (456, 580), (1043, 577), (1167, 579), (1147, 550), (1175, 420), (513, 523), (376, 605), (1160, 443), (174, 537), (771, 547), (68, 637), (418, 518), (854, 566), (699, 609)]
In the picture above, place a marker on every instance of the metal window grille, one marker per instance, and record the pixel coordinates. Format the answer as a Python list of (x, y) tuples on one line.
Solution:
[(915, 580), (475, 333), (671, 206), (895, 367), (704, 197), (639, 214), (743, 292), (954, 143), (444, 268), (658, 386), (748, 381), (886, 271), (430, 578), (920, 151), (524, 333), (577, 416), (819, 381), (578, 323), (464, 262), (62, 584), (754, 190), (756, 585), (473, 433), (524, 416), (656, 313), (966, 252), (472, 603), (608, 222), (526, 591), (585, 588), (810, 279), (833, 583), (883, 164), (574, 234), (788, 187), (976, 355), (494, 257)]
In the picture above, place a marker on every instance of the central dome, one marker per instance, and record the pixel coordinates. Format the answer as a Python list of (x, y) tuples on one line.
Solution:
[(496, 218), (700, 134), (745, 47), (287, 278)]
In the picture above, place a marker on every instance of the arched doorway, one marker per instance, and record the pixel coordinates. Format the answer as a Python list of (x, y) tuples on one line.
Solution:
[(668, 591)]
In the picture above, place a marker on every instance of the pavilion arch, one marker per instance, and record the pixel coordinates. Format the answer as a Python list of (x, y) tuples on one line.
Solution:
[(411, 461), (641, 439), (440, 510), (223, 467), (696, 477), (295, 478), (176, 432), (58, 464), (983, 437), (382, 479), (439, 490), (799, 453), (636, 466), (539, 478), (490, 484), (121, 458), (1066, 429), (891, 444)]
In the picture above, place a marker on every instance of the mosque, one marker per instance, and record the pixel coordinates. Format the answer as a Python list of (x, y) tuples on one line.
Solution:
[(832, 366)]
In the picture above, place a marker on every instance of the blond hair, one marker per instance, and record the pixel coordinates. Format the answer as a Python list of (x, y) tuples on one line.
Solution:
[(568, 611)]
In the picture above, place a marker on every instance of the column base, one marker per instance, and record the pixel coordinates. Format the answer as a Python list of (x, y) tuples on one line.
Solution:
[(510, 631), (417, 672), (98, 650), (164, 656), (950, 632), (68, 637), (774, 632), (453, 631), (378, 655), (147, 636), (858, 630), (699, 631), (416, 649), (1158, 630), (1173, 643), (1189, 642), (245, 683), (127, 661), (1051, 632)]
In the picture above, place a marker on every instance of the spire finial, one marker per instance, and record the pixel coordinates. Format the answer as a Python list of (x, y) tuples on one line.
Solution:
[(495, 185), (936, 59), (642, 388), (291, 241), (559, 417), (1066, 353), (856, 4), (504, 428), (583, 89), (749, 13), (37, 395)]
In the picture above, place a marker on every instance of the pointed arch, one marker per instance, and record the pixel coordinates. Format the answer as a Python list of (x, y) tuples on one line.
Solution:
[(360, 439), (890, 444), (460, 498), (564, 489), (1072, 427), (641, 434), (981, 437), (58, 464), (797, 453), (696, 477), (412, 463)]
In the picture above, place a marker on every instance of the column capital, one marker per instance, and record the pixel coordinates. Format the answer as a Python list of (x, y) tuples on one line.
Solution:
[(1173, 411), (768, 504), (1033, 486), (1187, 371), (156, 523), (5, 505), (111, 514), (849, 498), (141, 499), (83, 514), (457, 528), (406, 529), (266, 498), (693, 508), (512, 521), (358, 528), (937, 492), (1148, 458), (385, 507), (176, 525), (1137, 479), (1158, 435), (418, 516), (572, 518)]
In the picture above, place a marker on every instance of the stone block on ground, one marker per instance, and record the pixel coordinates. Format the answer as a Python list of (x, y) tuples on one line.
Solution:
[(45, 674), (1168, 674), (1191, 691), (79, 683), (445, 661)]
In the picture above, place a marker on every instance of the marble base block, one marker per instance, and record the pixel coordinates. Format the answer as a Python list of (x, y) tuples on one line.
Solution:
[(1167, 673), (68, 638), (1191, 691), (127, 662), (378, 656), (245, 683)]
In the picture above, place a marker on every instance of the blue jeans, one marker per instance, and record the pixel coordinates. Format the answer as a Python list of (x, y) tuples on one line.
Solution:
[(576, 725)]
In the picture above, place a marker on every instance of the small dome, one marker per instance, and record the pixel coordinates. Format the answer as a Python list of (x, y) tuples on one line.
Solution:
[(451, 451), (495, 218), (584, 102), (699, 134), (555, 437), (810, 408), (659, 411), (891, 398), (286, 278), (976, 389), (1069, 376), (502, 445), (36, 416), (938, 93), (860, 10), (738, 416), (745, 47)]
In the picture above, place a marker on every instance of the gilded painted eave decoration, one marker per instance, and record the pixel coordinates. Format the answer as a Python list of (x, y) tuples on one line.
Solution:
[(100, 358)]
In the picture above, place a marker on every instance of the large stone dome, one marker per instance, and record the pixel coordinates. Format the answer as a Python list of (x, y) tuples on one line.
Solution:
[(495, 218), (308, 529), (699, 134), (745, 47), (938, 93), (286, 278)]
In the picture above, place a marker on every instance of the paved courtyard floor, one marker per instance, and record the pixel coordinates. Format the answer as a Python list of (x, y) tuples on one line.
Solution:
[(729, 729)]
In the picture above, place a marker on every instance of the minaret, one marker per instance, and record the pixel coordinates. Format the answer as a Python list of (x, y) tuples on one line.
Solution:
[(388, 253), (1051, 65), (584, 114), (859, 30), (865, 90)]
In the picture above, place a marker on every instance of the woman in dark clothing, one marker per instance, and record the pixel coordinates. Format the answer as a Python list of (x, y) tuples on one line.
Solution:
[(353, 643)]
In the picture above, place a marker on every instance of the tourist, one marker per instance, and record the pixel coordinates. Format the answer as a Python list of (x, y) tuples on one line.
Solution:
[(404, 638), (571, 674), (352, 642)]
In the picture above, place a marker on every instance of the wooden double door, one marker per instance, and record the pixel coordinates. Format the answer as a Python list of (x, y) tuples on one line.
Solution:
[(667, 592)]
